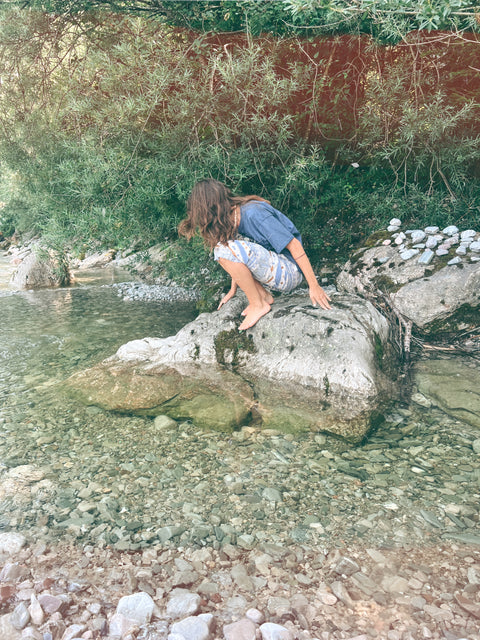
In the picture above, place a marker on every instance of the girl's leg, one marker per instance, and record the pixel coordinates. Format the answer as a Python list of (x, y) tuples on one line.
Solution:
[(258, 304), (266, 295)]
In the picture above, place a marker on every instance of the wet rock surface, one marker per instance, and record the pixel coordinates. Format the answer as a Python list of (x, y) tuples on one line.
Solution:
[(298, 368)]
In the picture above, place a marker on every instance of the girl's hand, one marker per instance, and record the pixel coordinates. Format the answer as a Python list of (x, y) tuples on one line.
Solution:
[(318, 296), (228, 296)]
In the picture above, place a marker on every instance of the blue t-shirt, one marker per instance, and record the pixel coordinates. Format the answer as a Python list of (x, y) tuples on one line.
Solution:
[(267, 226)]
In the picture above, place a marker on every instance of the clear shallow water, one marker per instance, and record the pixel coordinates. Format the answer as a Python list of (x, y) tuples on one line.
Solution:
[(76, 472)]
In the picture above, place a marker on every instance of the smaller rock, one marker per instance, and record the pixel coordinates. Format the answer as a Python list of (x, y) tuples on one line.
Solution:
[(431, 230), (30, 633), (36, 612), (243, 629), (441, 252), (11, 542), (418, 236), (164, 423), (475, 246), (456, 260), (461, 251), (255, 616), (476, 445), (138, 607), (272, 495), (74, 631), (392, 227), (468, 234), (182, 603), (409, 253), (395, 222), (50, 604), (431, 243), (20, 617), (346, 566), (272, 631), (426, 257), (450, 230), (193, 627), (420, 399)]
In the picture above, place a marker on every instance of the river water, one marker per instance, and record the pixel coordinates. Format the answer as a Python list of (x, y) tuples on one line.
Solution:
[(70, 472)]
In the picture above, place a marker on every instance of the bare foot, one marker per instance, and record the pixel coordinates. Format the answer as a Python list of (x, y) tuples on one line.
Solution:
[(268, 299), (253, 316)]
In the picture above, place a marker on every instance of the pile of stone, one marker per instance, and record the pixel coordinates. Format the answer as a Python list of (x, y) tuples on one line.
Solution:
[(430, 242)]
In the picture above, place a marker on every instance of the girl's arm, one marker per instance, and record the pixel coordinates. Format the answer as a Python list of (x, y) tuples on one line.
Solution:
[(228, 296), (317, 294)]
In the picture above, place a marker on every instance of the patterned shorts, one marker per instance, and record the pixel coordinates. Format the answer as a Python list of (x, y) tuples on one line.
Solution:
[(273, 270)]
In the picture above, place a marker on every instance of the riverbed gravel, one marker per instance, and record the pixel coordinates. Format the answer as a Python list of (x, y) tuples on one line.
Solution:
[(122, 527)]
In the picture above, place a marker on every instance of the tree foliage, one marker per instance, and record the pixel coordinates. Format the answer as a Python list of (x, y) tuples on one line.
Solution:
[(107, 120), (388, 20)]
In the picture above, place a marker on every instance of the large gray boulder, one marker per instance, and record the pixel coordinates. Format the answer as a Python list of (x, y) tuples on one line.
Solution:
[(438, 293), (298, 368), (39, 270)]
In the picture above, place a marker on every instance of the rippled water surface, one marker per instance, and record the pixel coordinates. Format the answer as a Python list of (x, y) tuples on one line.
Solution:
[(81, 473)]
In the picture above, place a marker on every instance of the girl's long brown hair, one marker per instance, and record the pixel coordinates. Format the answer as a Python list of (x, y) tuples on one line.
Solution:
[(209, 209)]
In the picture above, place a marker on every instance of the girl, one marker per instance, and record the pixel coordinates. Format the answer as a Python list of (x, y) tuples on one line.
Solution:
[(255, 244)]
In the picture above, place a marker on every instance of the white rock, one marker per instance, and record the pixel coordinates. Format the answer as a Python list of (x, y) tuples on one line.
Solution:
[(395, 222), (192, 628), (7, 631), (138, 607), (271, 631), (469, 233), (257, 616), (431, 242), (455, 260), (399, 240), (11, 542), (441, 252), (120, 626), (461, 251), (410, 253), (386, 242), (451, 230), (418, 235), (36, 612), (182, 603), (475, 246), (431, 230), (392, 227)]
